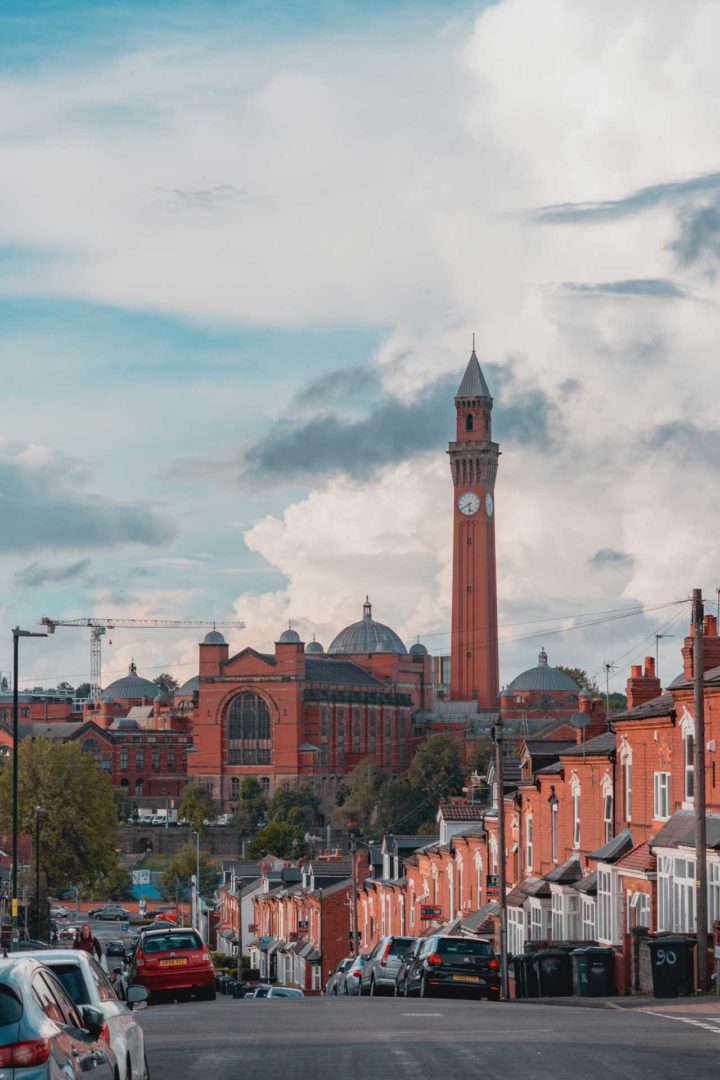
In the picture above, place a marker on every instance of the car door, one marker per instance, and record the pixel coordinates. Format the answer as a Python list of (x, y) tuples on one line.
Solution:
[(126, 1036), (416, 972), (75, 1052), (368, 967)]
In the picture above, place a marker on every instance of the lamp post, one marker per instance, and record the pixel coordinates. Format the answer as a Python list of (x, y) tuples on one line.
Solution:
[(498, 733), (16, 634), (196, 833), (38, 811)]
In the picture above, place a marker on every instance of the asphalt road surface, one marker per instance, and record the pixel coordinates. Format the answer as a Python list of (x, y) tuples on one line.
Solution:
[(327, 1039)]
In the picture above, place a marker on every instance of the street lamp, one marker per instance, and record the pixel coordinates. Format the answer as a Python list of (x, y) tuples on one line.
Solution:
[(38, 811), (16, 634), (196, 922)]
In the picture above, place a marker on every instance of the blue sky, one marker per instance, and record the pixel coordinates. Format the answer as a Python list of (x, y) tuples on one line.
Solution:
[(243, 247)]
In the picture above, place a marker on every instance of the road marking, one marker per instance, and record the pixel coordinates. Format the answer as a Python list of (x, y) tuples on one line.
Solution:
[(422, 1014), (706, 1023)]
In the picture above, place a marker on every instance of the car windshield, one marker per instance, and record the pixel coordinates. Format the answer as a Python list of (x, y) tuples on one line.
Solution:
[(11, 1009), (461, 947), (177, 941), (400, 945), (71, 977)]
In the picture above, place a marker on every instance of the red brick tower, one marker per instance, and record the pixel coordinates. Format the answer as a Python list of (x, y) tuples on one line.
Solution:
[(475, 674)]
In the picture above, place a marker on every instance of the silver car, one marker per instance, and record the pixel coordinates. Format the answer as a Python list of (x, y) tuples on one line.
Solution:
[(87, 984), (351, 978), (43, 1035), (333, 986), (384, 963)]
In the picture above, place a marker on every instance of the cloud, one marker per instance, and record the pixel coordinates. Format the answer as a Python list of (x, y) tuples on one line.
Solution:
[(653, 288), (669, 192), (698, 238), (686, 440), (609, 557), (43, 506), (35, 575)]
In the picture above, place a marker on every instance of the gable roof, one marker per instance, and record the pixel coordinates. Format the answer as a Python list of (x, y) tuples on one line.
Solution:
[(664, 705), (460, 812), (567, 873), (641, 859), (674, 829), (602, 745), (267, 658), (614, 849)]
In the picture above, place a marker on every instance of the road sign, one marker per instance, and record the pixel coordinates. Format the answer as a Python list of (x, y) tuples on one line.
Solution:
[(302, 924), (252, 927), (492, 887), (294, 935), (125, 928), (430, 912), (141, 877)]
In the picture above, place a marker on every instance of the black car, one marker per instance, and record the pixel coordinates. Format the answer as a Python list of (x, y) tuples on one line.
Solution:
[(454, 965), (115, 948), (407, 960)]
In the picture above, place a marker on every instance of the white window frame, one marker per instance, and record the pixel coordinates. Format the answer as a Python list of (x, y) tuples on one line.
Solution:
[(626, 758), (576, 808), (478, 877), (493, 854), (664, 893), (661, 796), (566, 914), (684, 894), (606, 905), (608, 798), (713, 892), (540, 918), (517, 930), (554, 818), (529, 842), (316, 976), (687, 727), (589, 919)]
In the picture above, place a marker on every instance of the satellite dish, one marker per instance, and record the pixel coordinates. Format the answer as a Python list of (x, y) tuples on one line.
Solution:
[(580, 720)]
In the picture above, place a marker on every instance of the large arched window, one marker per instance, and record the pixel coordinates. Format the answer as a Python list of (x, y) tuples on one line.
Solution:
[(249, 730)]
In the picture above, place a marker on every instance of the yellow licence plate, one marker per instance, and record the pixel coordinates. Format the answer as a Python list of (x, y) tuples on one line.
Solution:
[(466, 978), (180, 962)]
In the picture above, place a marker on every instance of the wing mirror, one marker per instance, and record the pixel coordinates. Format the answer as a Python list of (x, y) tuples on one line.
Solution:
[(137, 996)]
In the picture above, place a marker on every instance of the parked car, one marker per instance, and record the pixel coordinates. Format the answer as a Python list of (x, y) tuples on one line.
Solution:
[(115, 949), (173, 960), (86, 983), (406, 962), (32, 944), (43, 1034), (259, 992), (168, 913), (331, 986), (455, 965), (59, 912), (351, 978), (111, 912), (379, 974), (285, 992)]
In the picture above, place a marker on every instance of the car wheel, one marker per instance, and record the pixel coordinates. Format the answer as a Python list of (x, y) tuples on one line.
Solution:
[(424, 988), (345, 990), (373, 988), (118, 918)]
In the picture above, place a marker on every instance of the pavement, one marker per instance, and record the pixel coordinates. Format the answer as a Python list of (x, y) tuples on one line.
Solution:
[(327, 1038)]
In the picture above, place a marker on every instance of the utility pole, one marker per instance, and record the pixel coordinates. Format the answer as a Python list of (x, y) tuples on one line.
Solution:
[(501, 860), (608, 666), (238, 892), (700, 819), (353, 906)]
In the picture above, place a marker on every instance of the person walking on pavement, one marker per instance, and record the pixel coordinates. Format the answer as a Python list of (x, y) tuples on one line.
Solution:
[(87, 941)]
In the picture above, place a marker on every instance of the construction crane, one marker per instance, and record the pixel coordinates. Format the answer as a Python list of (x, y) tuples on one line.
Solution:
[(99, 626)]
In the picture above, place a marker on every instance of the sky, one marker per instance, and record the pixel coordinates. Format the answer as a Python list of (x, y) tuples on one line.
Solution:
[(243, 250)]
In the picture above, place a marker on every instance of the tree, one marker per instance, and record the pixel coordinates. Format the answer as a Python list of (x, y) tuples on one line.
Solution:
[(277, 838), (358, 795), (402, 808), (182, 866), (83, 690), (196, 806), (582, 678), (435, 768), (252, 807), (65, 688), (4, 685), (294, 806), (167, 683), (116, 885), (80, 827), (482, 756)]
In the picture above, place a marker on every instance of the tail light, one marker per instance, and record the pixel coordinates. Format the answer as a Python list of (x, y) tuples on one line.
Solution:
[(139, 959), (206, 958), (494, 965), (356, 974), (383, 962), (105, 1033), (434, 959), (18, 1055)]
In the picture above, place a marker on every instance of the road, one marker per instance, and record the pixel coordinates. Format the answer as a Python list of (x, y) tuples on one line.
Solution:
[(326, 1038)]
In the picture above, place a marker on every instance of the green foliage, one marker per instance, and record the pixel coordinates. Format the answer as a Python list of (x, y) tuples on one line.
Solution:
[(582, 678), (116, 885), (83, 690), (358, 795), (167, 683), (65, 688), (80, 828), (298, 806), (197, 805), (436, 768), (482, 756), (277, 838), (181, 868), (402, 808)]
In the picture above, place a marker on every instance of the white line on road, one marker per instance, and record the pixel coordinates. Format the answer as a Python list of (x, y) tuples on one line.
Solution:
[(706, 1023), (423, 1014)]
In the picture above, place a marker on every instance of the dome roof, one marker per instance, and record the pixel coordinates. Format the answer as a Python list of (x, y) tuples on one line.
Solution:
[(190, 687), (314, 646), (124, 723), (289, 636), (213, 637), (366, 636), (418, 649), (543, 677), (131, 686)]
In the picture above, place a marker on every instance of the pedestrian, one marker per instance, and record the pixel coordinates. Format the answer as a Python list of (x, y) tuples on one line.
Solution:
[(87, 941)]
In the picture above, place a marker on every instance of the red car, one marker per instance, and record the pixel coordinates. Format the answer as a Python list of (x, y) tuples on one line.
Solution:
[(173, 961)]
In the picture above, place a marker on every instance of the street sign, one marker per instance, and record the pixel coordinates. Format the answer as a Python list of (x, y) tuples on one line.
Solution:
[(302, 924), (141, 877), (252, 927), (124, 928), (492, 887), (294, 935), (430, 912)]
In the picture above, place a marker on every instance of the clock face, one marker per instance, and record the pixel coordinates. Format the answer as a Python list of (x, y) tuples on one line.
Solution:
[(489, 504), (468, 504)]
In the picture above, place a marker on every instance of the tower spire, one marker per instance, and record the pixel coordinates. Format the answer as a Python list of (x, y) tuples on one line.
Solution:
[(473, 383)]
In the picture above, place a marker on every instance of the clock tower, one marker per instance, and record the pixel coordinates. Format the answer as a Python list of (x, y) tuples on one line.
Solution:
[(475, 674)]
